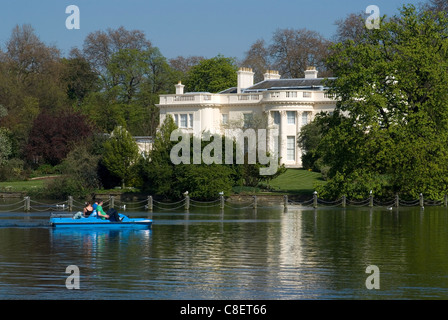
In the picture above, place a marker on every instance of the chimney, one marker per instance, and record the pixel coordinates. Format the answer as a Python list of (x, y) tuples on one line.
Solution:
[(179, 88), (311, 73), (245, 79), (271, 74)]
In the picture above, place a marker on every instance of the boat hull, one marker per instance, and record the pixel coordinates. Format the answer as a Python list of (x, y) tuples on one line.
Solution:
[(93, 222)]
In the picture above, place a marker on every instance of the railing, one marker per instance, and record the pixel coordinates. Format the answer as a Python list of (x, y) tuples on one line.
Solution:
[(183, 98), (280, 95), (372, 202), (149, 204)]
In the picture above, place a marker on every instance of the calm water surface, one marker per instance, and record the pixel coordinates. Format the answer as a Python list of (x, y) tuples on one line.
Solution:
[(236, 254)]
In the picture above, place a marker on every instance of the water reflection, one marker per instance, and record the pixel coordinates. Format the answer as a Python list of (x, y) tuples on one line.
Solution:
[(302, 253)]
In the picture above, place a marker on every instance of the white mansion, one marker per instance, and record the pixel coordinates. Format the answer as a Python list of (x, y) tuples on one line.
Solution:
[(286, 104)]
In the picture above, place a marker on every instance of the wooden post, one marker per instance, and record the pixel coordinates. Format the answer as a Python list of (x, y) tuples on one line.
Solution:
[(150, 203), (397, 201), (111, 202), (187, 202), (315, 199), (222, 202), (371, 199), (27, 204), (445, 200), (70, 203), (255, 202), (344, 201), (421, 200), (285, 203)]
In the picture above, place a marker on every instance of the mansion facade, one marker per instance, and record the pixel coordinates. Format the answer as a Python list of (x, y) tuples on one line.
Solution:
[(283, 104)]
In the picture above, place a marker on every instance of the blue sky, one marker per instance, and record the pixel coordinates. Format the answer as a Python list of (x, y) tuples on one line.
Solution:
[(184, 27)]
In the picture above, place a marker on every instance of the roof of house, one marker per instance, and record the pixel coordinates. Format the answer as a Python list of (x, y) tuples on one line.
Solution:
[(230, 90), (288, 84), (282, 84)]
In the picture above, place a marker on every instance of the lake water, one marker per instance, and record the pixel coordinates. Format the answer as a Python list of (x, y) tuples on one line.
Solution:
[(237, 254)]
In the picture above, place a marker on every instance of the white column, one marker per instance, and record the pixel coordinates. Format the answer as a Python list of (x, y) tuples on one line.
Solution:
[(298, 127), (282, 137)]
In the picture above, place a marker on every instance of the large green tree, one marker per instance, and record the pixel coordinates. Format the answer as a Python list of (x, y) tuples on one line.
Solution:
[(389, 132), (132, 74), (5, 143), (170, 180), (121, 154), (212, 75)]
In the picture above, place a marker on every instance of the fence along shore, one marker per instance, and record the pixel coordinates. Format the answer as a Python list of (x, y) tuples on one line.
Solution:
[(236, 202)]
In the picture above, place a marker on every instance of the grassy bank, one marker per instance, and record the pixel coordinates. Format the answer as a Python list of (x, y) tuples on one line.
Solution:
[(296, 181), (292, 182), (21, 186)]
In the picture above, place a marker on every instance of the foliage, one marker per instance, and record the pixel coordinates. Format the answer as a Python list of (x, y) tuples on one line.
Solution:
[(13, 170), (290, 51), (5, 142), (389, 132), (157, 170), (212, 75), (308, 139), (79, 78), (204, 182), (121, 155), (53, 135)]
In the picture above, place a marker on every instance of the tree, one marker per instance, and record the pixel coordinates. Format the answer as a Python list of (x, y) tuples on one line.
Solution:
[(308, 140), (438, 6), (5, 143), (121, 154), (203, 182), (258, 58), (133, 73), (212, 75), (79, 172), (161, 177), (182, 65), (32, 80), (293, 51), (351, 28), (29, 54), (53, 136), (389, 131), (79, 77), (157, 169), (100, 46)]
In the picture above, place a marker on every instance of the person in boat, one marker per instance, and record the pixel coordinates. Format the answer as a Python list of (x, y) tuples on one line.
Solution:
[(95, 204), (88, 209), (111, 214)]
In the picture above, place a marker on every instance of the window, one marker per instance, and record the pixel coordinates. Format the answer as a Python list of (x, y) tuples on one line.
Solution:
[(305, 118), (291, 94), (276, 116), (290, 148), (225, 118), (183, 120), (307, 94), (291, 116), (248, 119)]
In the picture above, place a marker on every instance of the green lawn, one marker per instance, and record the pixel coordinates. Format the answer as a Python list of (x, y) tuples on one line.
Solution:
[(293, 181), (296, 181), (21, 186)]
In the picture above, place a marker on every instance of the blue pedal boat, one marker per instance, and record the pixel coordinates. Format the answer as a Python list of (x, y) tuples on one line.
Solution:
[(95, 222)]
